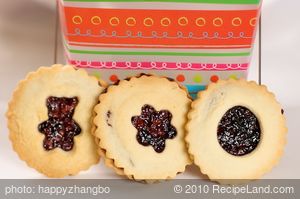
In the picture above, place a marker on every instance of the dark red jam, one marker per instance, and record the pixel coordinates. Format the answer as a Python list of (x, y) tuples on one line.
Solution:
[(154, 127), (60, 128), (239, 131)]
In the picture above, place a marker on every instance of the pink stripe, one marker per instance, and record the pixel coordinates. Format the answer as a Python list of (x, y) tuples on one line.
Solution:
[(158, 65)]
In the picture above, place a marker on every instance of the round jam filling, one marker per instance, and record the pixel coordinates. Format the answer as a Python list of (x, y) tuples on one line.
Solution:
[(239, 131), (60, 128), (154, 127)]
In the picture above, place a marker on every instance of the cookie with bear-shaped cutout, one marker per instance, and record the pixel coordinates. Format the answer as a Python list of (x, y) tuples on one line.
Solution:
[(49, 120)]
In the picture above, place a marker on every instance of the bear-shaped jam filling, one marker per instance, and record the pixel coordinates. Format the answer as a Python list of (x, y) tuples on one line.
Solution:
[(60, 128)]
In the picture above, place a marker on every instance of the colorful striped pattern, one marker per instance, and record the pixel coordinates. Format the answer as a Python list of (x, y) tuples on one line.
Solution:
[(158, 53), (194, 79), (160, 27), (159, 66), (193, 46)]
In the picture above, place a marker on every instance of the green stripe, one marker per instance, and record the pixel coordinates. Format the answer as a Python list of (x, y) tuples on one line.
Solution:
[(159, 53), (179, 1)]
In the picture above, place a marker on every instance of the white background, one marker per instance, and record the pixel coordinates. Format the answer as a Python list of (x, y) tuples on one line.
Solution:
[(27, 41)]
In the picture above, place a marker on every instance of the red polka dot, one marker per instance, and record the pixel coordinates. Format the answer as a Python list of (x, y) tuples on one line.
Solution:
[(214, 78), (180, 78), (114, 78)]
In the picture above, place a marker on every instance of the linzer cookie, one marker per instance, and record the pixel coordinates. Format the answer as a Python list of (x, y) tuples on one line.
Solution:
[(236, 131), (140, 126), (49, 120)]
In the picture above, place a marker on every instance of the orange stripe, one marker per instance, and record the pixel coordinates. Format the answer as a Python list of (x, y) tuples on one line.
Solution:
[(170, 21)]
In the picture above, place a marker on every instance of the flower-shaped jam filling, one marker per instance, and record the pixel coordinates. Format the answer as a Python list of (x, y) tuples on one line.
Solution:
[(60, 128), (154, 127), (239, 131)]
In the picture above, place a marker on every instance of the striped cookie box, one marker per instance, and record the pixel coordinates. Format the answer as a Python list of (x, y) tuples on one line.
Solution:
[(192, 41)]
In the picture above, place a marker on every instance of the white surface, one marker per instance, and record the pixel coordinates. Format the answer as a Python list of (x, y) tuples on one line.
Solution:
[(27, 30)]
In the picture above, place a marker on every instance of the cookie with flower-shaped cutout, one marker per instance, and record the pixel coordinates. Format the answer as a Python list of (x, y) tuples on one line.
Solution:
[(236, 131), (49, 120), (140, 127)]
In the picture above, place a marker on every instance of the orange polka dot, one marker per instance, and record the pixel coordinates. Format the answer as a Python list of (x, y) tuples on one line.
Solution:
[(165, 21), (77, 19), (96, 20), (114, 21), (253, 22), (148, 22), (236, 21), (131, 21), (214, 78), (183, 21), (114, 78), (218, 22), (180, 78), (200, 21)]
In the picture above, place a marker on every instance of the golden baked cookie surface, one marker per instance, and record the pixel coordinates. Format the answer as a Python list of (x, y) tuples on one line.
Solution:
[(217, 126), (128, 138), (30, 120)]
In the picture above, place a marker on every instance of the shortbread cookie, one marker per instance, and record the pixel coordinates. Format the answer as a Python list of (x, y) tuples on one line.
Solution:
[(140, 125), (49, 118), (236, 131)]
